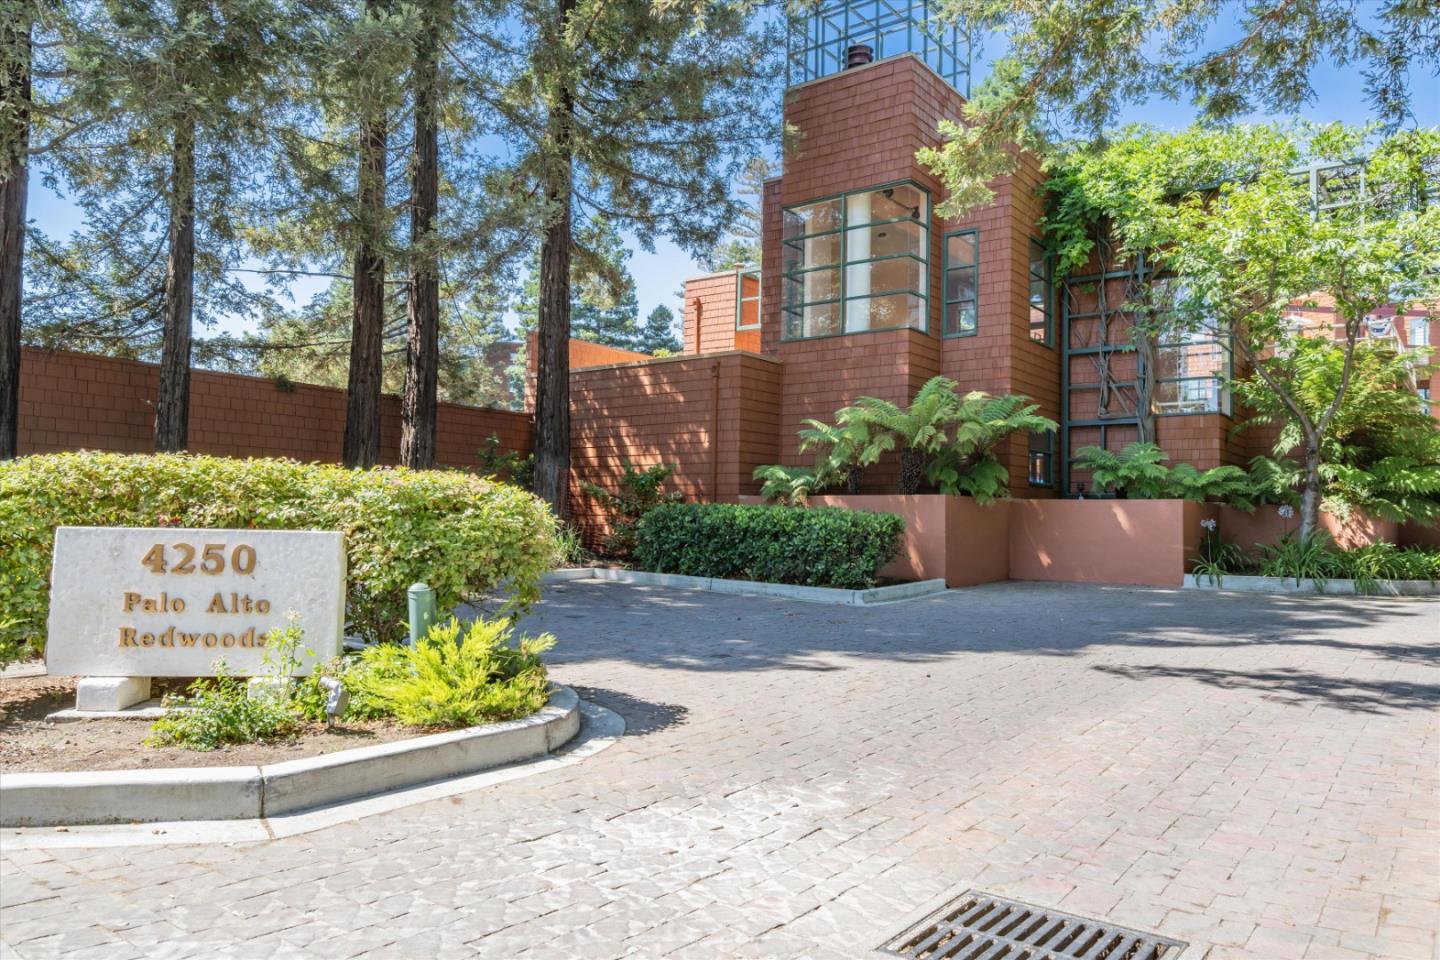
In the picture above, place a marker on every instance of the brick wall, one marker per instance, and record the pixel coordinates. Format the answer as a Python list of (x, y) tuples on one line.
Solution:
[(71, 401), (714, 417), (860, 129)]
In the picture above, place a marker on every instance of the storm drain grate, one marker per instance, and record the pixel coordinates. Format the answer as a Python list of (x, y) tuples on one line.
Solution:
[(978, 926)]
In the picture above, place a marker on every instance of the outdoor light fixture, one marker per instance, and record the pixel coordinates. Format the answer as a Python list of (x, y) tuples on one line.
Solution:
[(337, 700)]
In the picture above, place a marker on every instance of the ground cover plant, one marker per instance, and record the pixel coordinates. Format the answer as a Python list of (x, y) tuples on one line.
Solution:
[(1317, 558), (459, 533), (821, 547), (456, 676)]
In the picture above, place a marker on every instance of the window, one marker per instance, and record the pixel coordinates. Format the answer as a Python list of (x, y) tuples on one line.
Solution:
[(1041, 456), (1424, 393), (1042, 295), (747, 300), (1419, 332), (856, 263), (1194, 366), (962, 283), (1191, 374)]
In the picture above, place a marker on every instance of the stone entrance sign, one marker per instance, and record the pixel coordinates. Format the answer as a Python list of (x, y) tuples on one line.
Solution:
[(169, 602)]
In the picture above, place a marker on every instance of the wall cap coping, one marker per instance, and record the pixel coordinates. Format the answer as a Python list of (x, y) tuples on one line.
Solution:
[(255, 792), (783, 591), (250, 378), (730, 271), (893, 58), (673, 358)]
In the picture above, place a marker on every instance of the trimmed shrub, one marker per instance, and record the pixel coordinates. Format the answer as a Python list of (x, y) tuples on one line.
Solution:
[(453, 677), (823, 547), (461, 534)]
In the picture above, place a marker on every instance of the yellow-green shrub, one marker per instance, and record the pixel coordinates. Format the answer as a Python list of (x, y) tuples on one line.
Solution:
[(453, 677), (461, 534)]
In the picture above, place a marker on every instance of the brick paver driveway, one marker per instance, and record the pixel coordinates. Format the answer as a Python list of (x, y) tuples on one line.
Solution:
[(1256, 775)]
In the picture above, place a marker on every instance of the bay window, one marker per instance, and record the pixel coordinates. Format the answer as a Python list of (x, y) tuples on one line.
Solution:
[(856, 262)]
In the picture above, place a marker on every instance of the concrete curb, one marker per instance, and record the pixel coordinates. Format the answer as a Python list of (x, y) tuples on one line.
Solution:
[(599, 729), (237, 793), (1335, 588), (783, 591)]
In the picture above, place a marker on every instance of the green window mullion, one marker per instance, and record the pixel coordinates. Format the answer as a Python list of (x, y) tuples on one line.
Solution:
[(843, 264), (886, 293), (974, 269), (888, 256)]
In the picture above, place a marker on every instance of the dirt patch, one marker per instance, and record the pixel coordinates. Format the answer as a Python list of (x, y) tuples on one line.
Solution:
[(28, 742)]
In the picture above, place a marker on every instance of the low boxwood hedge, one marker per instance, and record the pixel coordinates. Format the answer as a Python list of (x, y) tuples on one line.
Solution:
[(457, 532), (823, 547)]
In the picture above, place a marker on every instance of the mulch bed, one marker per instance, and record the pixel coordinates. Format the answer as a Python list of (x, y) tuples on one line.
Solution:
[(28, 742)]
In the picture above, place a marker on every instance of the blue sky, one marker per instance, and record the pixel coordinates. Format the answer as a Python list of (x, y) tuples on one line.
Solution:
[(1339, 95)]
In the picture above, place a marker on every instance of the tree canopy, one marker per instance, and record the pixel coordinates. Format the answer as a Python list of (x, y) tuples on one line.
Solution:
[(1069, 67), (1229, 221)]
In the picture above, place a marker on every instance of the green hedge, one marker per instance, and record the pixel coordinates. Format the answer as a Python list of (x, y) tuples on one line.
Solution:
[(457, 532), (823, 547)]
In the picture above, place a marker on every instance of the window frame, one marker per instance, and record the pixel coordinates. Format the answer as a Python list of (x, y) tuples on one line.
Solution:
[(1048, 281), (797, 310), (945, 300), (1417, 323), (1048, 451), (1225, 406), (741, 299)]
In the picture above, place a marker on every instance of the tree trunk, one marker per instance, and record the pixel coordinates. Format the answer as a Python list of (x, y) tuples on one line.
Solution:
[(854, 478), (912, 470), (12, 233), (1310, 493), (552, 358), (367, 335), (552, 366), (172, 409), (422, 331)]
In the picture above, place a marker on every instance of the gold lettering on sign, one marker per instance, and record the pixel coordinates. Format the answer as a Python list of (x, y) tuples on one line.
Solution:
[(161, 604), (127, 637), (237, 603), (212, 559)]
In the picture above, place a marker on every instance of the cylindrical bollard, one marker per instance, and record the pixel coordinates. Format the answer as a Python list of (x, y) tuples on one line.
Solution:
[(422, 611)]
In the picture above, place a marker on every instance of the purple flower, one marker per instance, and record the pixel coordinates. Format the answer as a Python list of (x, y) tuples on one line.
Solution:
[(1286, 511), (1210, 524)]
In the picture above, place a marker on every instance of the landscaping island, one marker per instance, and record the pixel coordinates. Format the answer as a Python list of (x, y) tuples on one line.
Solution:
[(30, 743)]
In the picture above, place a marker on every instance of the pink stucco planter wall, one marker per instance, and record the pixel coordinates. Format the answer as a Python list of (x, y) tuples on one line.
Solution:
[(1266, 526), (1145, 542), (949, 537)]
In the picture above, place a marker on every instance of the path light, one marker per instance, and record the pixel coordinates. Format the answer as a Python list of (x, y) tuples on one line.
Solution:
[(422, 611), (337, 700)]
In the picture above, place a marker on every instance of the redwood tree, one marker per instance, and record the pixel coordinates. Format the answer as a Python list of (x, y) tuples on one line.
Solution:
[(154, 124), (367, 329), (636, 114), (14, 181), (422, 335)]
